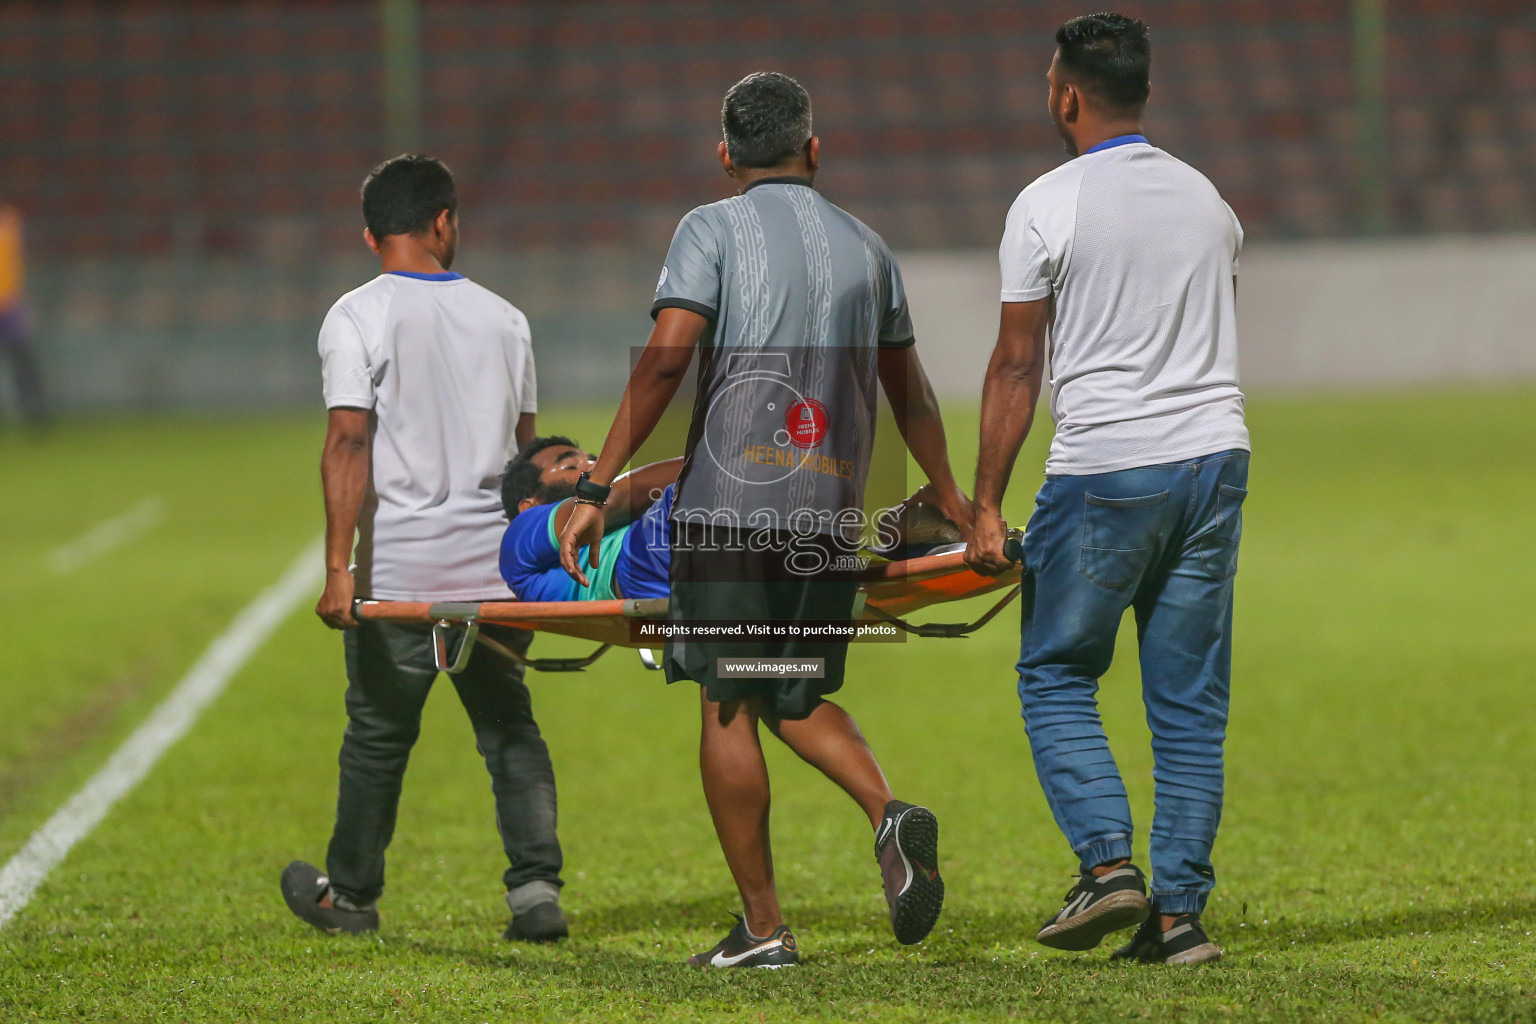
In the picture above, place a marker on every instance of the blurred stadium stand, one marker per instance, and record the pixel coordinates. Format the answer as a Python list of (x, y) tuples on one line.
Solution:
[(189, 169)]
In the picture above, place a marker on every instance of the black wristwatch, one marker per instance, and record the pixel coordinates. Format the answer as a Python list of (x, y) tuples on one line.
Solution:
[(587, 491)]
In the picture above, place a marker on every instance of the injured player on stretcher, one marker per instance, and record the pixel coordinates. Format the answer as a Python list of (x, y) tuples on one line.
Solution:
[(634, 558), (538, 490)]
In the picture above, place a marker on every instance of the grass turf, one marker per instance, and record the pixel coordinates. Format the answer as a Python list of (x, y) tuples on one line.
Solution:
[(1373, 859)]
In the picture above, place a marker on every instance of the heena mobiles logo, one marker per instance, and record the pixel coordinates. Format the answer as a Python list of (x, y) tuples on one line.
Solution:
[(761, 430), (806, 423)]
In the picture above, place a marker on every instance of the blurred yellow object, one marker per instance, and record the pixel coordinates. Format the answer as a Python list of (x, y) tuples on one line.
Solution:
[(12, 265)]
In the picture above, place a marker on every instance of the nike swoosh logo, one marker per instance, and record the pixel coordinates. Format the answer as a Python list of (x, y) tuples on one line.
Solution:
[(721, 960), (885, 830)]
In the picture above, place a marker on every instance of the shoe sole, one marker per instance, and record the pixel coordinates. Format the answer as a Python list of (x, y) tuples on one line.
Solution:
[(1124, 909), (551, 935), (743, 965), (707, 966), (917, 910), (1205, 953), (350, 928), (304, 908), (545, 937)]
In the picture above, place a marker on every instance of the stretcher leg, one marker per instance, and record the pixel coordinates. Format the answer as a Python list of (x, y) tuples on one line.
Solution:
[(545, 664), (442, 629)]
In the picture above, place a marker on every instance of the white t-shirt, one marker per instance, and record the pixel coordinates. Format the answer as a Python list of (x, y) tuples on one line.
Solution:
[(446, 366), (1140, 252)]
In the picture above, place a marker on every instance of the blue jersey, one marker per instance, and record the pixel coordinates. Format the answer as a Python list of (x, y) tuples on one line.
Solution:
[(633, 561), (645, 562)]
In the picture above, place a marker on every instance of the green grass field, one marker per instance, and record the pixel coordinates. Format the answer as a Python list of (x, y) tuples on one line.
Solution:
[(1374, 860)]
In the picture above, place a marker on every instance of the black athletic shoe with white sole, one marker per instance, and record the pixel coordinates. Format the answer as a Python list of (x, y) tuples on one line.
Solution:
[(741, 948), (308, 894), (907, 847), (1185, 943), (1097, 906)]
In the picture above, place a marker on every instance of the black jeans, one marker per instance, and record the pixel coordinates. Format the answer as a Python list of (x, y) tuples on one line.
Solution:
[(389, 673)]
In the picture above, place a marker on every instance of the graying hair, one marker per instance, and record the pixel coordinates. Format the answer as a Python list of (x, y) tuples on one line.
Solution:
[(766, 119)]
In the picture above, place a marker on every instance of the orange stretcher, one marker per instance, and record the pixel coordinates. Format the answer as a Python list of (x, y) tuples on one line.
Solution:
[(890, 591)]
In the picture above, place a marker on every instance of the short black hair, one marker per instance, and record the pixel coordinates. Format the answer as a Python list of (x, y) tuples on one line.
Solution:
[(404, 195), (766, 119), (522, 479), (1109, 56)]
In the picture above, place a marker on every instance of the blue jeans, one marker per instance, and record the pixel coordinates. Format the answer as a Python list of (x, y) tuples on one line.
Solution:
[(1163, 541)]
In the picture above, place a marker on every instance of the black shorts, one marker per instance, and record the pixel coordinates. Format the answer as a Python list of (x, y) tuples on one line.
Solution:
[(715, 577)]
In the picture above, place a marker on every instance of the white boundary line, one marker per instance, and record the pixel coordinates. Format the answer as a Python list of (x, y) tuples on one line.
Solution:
[(169, 721), (107, 535)]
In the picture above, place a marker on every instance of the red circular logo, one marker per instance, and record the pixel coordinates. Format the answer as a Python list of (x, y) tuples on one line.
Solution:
[(806, 423)]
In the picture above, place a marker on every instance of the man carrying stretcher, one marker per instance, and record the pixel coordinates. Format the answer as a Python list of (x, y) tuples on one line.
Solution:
[(799, 317)]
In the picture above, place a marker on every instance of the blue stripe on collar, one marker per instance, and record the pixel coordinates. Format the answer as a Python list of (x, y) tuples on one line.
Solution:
[(1118, 140), (447, 275)]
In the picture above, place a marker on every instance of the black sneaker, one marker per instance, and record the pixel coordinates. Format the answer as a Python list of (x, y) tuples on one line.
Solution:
[(308, 894), (1184, 943), (907, 847), (1097, 906), (740, 948), (542, 922)]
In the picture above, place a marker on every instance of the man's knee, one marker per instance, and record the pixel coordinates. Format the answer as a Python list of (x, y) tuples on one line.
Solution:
[(513, 739), (1057, 686), (728, 715), (374, 737)]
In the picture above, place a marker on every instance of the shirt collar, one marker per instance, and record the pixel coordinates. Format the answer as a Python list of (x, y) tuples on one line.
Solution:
[(1118, 140), (447, 275), (785, 179)]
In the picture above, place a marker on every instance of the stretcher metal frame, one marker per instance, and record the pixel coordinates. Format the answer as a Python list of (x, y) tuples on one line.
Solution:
[(888, 593)]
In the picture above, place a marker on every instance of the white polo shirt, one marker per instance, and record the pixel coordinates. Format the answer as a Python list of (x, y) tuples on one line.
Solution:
[(446, 366), (1139, 251)]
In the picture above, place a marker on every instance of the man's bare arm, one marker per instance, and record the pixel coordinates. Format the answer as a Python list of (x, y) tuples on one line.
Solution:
[(345, 462), (525, 430), (656, 377), (632, 494), (1008, 400), (916, 409)]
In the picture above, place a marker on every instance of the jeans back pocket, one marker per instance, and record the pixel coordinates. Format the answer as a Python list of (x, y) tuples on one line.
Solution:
[(1119, 536), (1218, 547)]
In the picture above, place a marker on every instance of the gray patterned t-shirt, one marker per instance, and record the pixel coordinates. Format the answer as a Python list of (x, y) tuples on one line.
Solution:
[(799, 295)]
